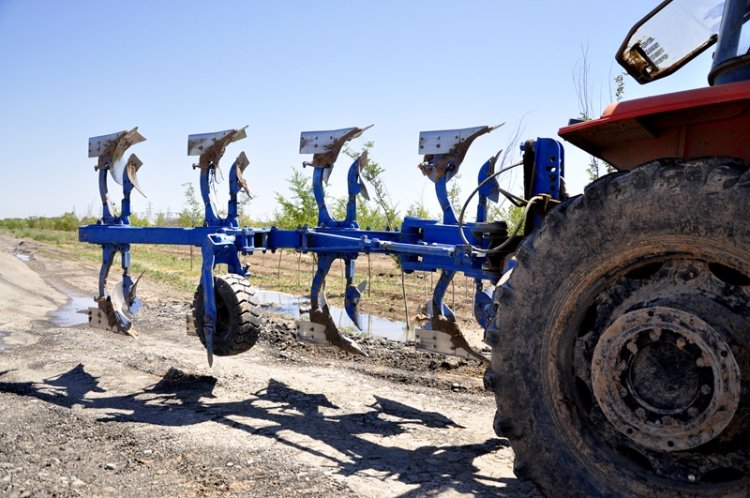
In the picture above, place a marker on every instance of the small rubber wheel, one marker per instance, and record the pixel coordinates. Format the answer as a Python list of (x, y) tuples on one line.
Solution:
[(621, 344), (237, 315)]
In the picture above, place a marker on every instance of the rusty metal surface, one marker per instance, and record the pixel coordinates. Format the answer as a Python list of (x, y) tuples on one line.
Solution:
[(444, 150), (326, 145), (334, 337), (103, 318), (442, 141), (665, 378), (210, 146), (132, 167), (455, 343), (105, 145), (242, 163), (110, 148)]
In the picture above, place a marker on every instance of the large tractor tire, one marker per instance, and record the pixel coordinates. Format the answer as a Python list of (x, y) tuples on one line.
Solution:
[(237, 315), (620, 356)]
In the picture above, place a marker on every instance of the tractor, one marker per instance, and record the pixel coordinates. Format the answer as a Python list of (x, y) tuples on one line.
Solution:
[(619, 320), (621, 358)]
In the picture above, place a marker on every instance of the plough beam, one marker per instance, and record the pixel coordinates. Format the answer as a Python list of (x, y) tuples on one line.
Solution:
[(420, 244)]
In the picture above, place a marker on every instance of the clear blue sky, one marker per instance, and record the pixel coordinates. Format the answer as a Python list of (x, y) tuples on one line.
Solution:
[(74, 69)]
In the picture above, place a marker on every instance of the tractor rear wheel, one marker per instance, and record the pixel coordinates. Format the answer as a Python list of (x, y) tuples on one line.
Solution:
[(620, 358), (237, 315)]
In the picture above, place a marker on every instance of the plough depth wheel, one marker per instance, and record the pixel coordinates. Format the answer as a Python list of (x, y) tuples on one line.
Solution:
[(621, 360), (237, 315)]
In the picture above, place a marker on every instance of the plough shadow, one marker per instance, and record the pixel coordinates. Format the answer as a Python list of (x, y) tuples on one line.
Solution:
[(180, 399)]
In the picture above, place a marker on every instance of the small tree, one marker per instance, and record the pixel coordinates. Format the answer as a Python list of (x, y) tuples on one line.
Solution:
[(139, 221), (454, 195), (587, 109), (418, 210), (372, 173), (300, 208), (511, 214), (192, 214)]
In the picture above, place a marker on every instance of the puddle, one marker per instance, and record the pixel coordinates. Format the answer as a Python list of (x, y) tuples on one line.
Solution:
[(74, 312), (23, 257), (287, 304)]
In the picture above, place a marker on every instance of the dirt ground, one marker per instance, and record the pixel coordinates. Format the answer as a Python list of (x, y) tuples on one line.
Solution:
[(90, 413)]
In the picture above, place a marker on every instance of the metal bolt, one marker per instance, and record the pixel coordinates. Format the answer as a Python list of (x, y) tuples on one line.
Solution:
[(705, 389), (655, 334), (681, 343), (632, 347), (667, 420), (623, 392), (640, 413), (692, 411), (691, 478)]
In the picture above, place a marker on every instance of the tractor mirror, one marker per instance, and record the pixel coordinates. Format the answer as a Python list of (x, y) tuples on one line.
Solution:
[(669, 37)]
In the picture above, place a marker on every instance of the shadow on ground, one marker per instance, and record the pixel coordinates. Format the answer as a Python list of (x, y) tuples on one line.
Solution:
[(284, 414)]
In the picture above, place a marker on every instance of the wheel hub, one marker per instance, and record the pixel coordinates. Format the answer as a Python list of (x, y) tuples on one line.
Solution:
[(665, 378)]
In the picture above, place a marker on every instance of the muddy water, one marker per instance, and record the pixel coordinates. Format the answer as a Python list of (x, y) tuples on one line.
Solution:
[(289, 305), (74, 312)]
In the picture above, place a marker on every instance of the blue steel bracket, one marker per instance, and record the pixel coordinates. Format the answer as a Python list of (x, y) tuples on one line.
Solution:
[(544, 170), (436, 307), (109, 150), (320, 312), (549, 168), (237, 183), (489, 189), (216, 249), (422, 245), (210, 148), (129, 182), (325, 147), (484, 305), (444, 151), (126, 303)]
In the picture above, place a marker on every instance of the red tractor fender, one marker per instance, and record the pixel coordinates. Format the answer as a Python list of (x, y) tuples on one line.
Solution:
[(712, 121)]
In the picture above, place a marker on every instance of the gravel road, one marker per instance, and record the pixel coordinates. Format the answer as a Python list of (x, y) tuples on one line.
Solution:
[(90, 413)]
